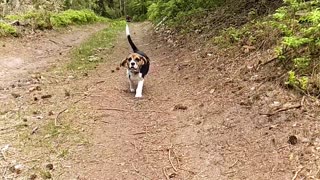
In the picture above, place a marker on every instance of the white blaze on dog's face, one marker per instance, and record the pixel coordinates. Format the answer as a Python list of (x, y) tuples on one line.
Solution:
[(134, 62)]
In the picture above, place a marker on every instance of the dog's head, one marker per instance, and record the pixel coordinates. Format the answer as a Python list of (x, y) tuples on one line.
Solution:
[(134, 62)]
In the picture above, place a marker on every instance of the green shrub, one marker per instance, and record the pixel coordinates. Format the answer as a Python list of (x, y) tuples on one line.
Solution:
[(73, 17), (300, 48), (42, 19), (7, 29), (37, 19)]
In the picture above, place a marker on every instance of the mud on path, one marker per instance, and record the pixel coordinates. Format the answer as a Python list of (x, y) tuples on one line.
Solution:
[(203, 115)]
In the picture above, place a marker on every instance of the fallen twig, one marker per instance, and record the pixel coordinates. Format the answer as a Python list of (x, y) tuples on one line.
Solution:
[(282, 109), (269, 61), (5, 172), (187, 170), (56, 119), (165, 173), (6, 128), (3, 156), (99, 82), (169, 156), (138, 133), (58, 43), (113, 109), (34, 130), (234, 163), (282, 147), (54, 41), (175, 155), (106, 122), (135, 169), (124, 110), (65, 109), (296, 174)]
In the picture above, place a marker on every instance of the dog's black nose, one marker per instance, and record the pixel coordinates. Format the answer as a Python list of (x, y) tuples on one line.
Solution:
[(132, 64)]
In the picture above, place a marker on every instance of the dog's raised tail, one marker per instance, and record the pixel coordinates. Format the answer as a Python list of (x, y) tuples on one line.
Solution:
[(133, 46)]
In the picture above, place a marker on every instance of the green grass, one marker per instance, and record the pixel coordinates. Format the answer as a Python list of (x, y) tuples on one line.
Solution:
[(86, 57)]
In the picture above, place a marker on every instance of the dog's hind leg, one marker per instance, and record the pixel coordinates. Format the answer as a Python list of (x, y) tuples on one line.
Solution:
[(139, 88)]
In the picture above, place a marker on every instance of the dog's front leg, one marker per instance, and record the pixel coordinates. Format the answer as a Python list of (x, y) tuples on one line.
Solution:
[(139, 88), (131, 85)]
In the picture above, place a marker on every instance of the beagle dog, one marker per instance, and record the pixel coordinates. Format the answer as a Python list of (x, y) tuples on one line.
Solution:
[(137, 64)]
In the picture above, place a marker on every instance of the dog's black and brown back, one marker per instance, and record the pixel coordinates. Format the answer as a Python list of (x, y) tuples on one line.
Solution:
[(145, 67)]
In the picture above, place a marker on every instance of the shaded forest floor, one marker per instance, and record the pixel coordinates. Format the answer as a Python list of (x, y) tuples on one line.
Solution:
[(205, 114)]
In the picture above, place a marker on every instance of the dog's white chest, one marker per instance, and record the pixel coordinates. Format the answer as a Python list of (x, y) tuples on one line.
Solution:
[(134, 76)]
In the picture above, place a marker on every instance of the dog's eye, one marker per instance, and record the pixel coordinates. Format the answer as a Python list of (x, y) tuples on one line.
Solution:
[(129, 59), (137, 59)]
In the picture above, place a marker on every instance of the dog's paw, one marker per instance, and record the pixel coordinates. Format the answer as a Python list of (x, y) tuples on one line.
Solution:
[(132, 90), (138, 95)]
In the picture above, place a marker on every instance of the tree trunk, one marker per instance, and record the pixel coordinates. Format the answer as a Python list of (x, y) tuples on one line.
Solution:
[(120, 2), (111, 3)]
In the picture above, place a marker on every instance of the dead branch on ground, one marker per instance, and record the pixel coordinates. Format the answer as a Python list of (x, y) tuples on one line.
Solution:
[(65, 109), (165, 173), (295, 106), (234, 163), (169, 156), (124, 110), (296, 174)]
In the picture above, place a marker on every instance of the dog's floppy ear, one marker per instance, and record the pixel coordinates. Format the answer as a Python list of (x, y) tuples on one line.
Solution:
[(124, 63), (143, 60)]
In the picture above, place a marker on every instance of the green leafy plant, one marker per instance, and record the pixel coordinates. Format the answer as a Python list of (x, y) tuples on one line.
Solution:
[(295, 42), (7, 29), (301, 62), (280, 14), (296, 82), (303, 82), (292, 79)]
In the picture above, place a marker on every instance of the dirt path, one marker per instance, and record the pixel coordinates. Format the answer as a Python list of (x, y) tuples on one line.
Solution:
[(35, 53), (201, 117), (194, 122)]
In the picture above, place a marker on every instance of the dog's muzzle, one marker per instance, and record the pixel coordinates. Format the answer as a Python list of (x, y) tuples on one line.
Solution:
[(133, 67)]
